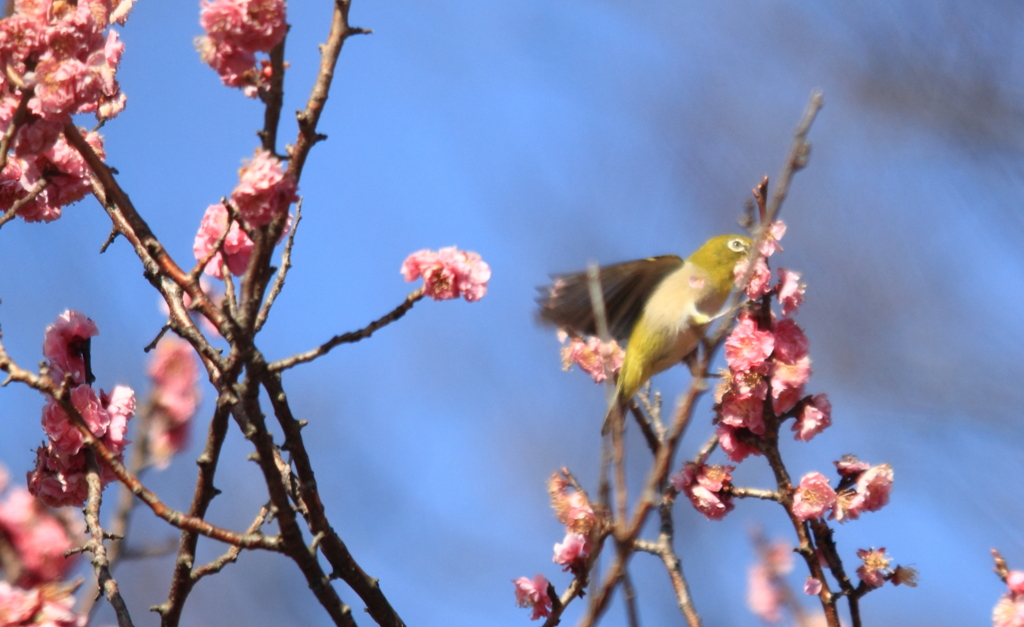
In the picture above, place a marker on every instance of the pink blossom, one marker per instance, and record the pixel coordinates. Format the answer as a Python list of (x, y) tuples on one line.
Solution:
[(448, 273), (788, 382), (252, 25), (594, 357), (791, 344), (572, 551), (237, 246), (1015, 581), (760, 278), (850, 466), (60, 165), (37, 537), (571, 508), (812, 586), (533, 594), (813, 497), (64, 435), (120, 406), (770, 244), (1008, 612), (58, 480), (175, 395), (778, 557), (706, 487), (791, 291), (743, 410), (265, 189), (733, 446), (747, 347), (763, 596), (875, 485), (815, 418), (235, 31), (47, 605), (236, 67), (870, 492), (875, 567), (65, 344)]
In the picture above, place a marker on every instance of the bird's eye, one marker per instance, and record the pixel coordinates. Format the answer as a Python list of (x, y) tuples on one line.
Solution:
[(737, 245)]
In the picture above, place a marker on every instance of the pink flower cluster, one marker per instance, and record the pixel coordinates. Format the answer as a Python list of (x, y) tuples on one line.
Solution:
[(47, 605), (235, 31), (175, 397), (264, 191), (765, 353), (65, 55), (37, 537), (707, 488), (448, 273), (533, 594), (59, 476), (1009, 611), (575, 512), (765, 597), (593, 356), (862, 488)]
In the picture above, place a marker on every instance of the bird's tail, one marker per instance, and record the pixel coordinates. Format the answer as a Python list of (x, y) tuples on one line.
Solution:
[(616, 413)]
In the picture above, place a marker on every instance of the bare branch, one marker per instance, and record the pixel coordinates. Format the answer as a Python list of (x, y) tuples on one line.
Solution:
[(350, 337)]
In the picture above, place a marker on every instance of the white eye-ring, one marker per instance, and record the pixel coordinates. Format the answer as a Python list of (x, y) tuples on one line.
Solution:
[(737, 245)]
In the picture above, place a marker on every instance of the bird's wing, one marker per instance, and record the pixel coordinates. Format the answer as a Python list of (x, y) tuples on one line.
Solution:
[(626, 287)]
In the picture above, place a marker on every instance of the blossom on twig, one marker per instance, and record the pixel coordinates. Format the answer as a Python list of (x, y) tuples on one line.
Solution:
[(448, 273), (593, 356), (533, 594), (235, 31), (706, 487)]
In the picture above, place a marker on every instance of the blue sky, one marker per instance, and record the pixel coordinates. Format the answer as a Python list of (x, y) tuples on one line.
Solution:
[(543, 135)]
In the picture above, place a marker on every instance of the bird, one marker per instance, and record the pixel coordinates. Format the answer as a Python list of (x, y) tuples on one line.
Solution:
[(661, 306)]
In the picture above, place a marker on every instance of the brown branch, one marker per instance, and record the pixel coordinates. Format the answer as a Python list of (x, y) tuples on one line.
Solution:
[(158, 266), (125, 500), (334, 549), (231, 555), (350, 337), (282, 273), (273, 98), (21, 202), (249, 416), (181, 581), (62, 395), (101, 565), (754, 493), (664, 550), (17, 120)]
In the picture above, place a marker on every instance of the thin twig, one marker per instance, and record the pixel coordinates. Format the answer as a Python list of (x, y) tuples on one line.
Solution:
[(231, 555), (350, 337), (21, 202), (20, 117), (754, 493), (629, 596), (282, 273), (331, 545), (62, 395), (101, 565)]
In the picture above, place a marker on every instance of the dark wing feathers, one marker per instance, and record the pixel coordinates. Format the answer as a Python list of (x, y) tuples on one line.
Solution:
[(626, 287)]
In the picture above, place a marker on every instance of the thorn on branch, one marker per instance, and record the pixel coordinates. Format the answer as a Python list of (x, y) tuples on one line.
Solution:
[(110, 239), (156, 340)]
